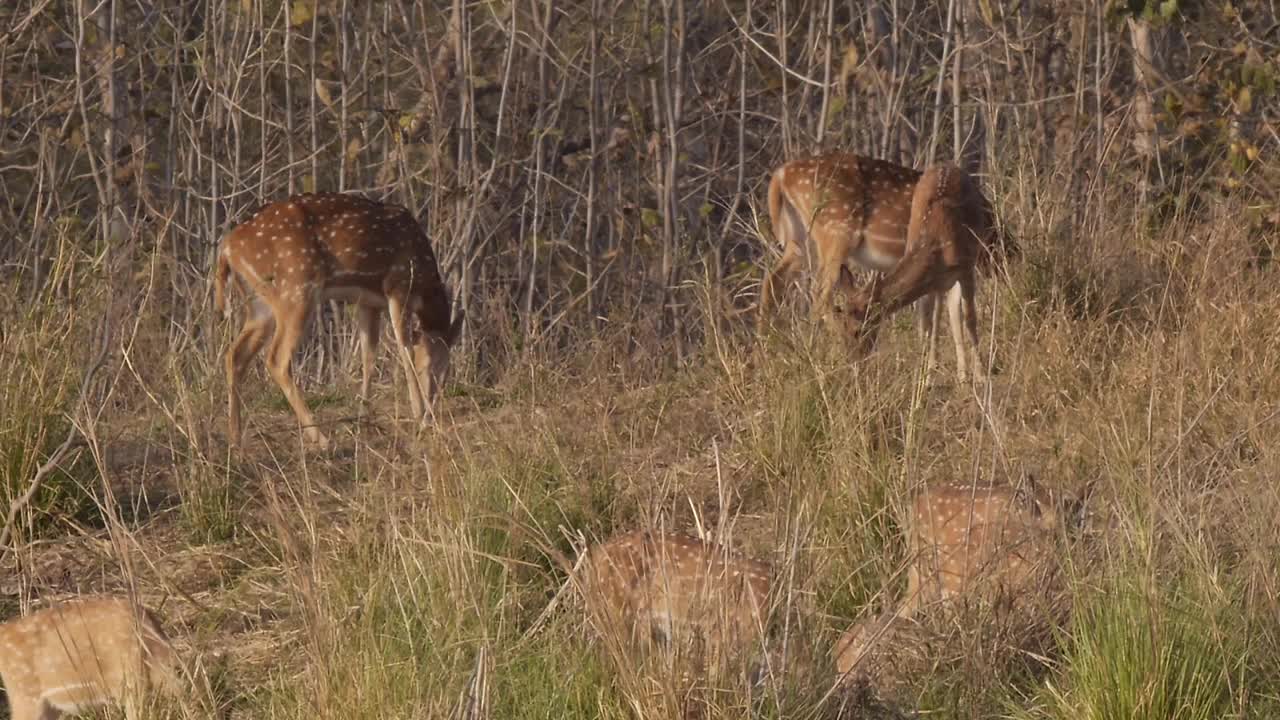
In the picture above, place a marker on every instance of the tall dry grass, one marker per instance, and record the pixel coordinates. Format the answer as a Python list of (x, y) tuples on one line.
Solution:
[(591, 176)]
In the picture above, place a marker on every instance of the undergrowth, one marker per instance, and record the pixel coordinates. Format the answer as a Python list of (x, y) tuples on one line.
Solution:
[(410, 572)]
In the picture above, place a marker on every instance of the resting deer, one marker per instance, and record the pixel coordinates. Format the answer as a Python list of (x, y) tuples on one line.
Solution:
[(951, 234), (997, 540), (296, 253), (674, 587), (85, 653), (968, 541), (858, 644)]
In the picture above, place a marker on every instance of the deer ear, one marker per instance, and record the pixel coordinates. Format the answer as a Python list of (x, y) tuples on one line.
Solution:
[(455, 328)]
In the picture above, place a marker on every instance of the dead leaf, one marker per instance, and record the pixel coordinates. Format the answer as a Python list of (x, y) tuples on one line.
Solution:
[(1244, 100), (322, 92), (301, 12)]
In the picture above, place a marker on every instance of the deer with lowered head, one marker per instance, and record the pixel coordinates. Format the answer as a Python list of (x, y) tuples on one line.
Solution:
[(294, 254), (951, 236), (85, 653), (841, 207), (838, 207)]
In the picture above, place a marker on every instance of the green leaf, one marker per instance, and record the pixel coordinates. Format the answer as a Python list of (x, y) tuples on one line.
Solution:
[(1168, 9), (835, 107), (1237, 160), (1244, 100)]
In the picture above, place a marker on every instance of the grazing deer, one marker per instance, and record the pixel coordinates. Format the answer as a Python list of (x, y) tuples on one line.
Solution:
[(951, 234), (673, 587), (85, 653), (296, 253), (842, 207)]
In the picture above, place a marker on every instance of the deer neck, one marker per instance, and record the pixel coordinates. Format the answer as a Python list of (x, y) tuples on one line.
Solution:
[(908, 282)]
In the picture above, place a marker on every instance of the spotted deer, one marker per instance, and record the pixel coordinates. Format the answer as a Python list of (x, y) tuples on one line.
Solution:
[(859, 644), (295, 253), (647, 586), (950, 236), (838, 207), (85, 653), (996, 541), (994, 544)]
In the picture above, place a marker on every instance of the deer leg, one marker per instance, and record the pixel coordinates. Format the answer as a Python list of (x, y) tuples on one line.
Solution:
[(22, 706), (964, 327), (789, 232), (778, 279), (967, 291), (257, 327), (367, 320), (925, 306), (831, 258), (911, 601), (399, 318), (928, 328), (954, 310), (292, 321)]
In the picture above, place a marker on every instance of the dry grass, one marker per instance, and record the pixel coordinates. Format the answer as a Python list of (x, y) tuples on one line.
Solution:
[(609, 379), (365, 583)]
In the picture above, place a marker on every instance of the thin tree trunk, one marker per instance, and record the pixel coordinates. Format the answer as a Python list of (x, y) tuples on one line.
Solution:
[(947, 41), (1146, 140), (826, 71), (593, 169), (672, 106)]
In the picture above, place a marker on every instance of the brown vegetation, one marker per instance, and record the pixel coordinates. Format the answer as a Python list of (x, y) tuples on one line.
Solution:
[(592, 177)]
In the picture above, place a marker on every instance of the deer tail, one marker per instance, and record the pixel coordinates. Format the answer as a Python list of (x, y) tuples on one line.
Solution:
[(776, 209), (221, 274)]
